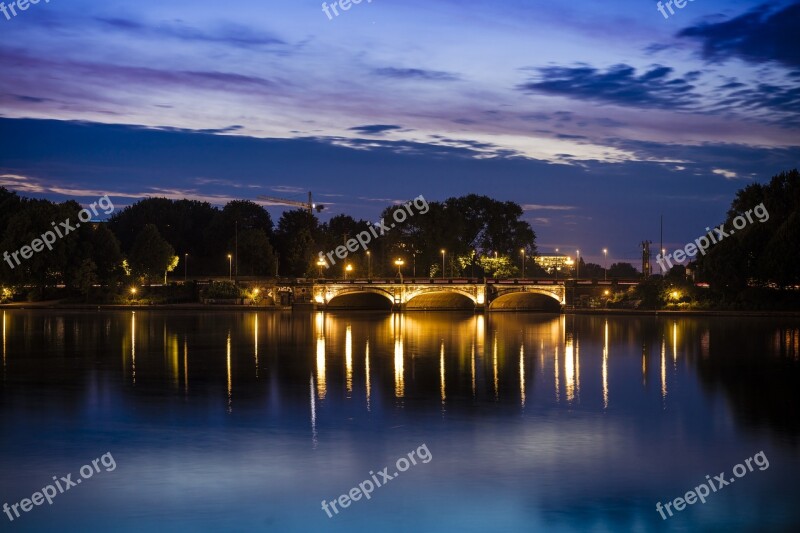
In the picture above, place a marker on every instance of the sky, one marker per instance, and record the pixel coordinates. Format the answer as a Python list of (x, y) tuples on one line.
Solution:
[(596, 117)]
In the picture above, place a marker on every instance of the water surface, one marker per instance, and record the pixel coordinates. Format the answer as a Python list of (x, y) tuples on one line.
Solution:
[(247, 421)]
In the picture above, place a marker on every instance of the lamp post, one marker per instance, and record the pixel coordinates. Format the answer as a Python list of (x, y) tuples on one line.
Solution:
[(605, 267), (399, 262), (369, 265), (320, 264), (185, 267), (474, 253), (442, 264), (578, 265), (522, 251), (230, 267), (348, 268)]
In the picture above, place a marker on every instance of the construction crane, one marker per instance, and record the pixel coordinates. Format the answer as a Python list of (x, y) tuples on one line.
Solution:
[(310, 205)]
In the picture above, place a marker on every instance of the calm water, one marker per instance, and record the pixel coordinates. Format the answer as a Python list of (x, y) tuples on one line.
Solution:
[(247, 421)]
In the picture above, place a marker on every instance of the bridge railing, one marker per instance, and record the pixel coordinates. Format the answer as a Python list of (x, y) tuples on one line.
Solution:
[(465, 281)]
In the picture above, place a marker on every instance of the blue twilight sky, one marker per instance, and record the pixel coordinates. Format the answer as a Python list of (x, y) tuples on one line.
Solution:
[(597, 117)]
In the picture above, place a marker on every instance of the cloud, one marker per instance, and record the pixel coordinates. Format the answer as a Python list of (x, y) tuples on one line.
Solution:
[(381, 200), (94, 75), (776, 103), (758, 36), (416, 74), (27, 184), (727, 174), (619, 85), (288, 189), (375, 129), (231, 34), (545, 207)]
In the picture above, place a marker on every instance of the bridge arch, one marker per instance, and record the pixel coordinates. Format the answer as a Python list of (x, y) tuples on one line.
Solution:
[(361, 298), (440, 298), (530, 300)]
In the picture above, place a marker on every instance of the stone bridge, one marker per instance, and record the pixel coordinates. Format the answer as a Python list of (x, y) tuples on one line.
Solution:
[(436, 294)]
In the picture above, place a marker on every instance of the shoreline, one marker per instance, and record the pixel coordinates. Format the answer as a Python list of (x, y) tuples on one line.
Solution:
[(55, 306)]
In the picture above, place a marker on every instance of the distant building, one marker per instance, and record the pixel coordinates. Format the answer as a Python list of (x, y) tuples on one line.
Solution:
[(550, 263)]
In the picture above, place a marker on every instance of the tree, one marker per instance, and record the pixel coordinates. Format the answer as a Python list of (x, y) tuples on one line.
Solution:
[(86, 277), (256, 256), (591, 270), (47, 266), (150, 255), (105, 252), (296, 238), (183, 223), (764, 250), (623, 270)]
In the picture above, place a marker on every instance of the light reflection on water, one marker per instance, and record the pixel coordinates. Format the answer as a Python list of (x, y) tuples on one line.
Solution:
[(534, 421)]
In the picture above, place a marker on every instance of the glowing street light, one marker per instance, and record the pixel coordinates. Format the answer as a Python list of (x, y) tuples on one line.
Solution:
[(399, 262), (442, 263), (348, 268), (578, 265), (369, 265), (230, 267), (185, 268), (133, 291), (522, 251), (605, 266), (321, 263)]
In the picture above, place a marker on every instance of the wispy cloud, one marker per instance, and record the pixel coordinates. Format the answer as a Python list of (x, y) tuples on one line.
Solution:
[(761, 35), (416, 74), (236, 35), (619, 85), (375, 129), (727, 174), (546, 207)]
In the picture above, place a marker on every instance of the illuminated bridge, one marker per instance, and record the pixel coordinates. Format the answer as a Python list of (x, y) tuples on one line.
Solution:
[(438, 294)]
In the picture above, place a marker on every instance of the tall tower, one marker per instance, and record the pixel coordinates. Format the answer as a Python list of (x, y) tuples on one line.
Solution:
[(646, 258)]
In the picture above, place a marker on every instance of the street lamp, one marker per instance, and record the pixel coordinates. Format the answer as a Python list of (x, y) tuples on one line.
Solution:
[(442, 264), (369, 265), (348, 268), (578, 265), (605, 267), (230, 267), (399, 262), (185, 263), (321, 263), (522, 251)]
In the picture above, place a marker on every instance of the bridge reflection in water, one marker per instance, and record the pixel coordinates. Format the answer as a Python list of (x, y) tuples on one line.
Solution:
[(371, 360), (464, 357)]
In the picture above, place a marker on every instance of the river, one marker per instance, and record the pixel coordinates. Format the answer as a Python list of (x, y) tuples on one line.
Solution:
[(247, 421)]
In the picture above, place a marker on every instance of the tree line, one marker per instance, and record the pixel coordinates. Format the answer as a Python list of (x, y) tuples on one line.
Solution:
[(145, 241)]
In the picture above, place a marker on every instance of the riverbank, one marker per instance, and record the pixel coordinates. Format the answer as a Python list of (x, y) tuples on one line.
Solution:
[(662, 313), (57, 305)]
